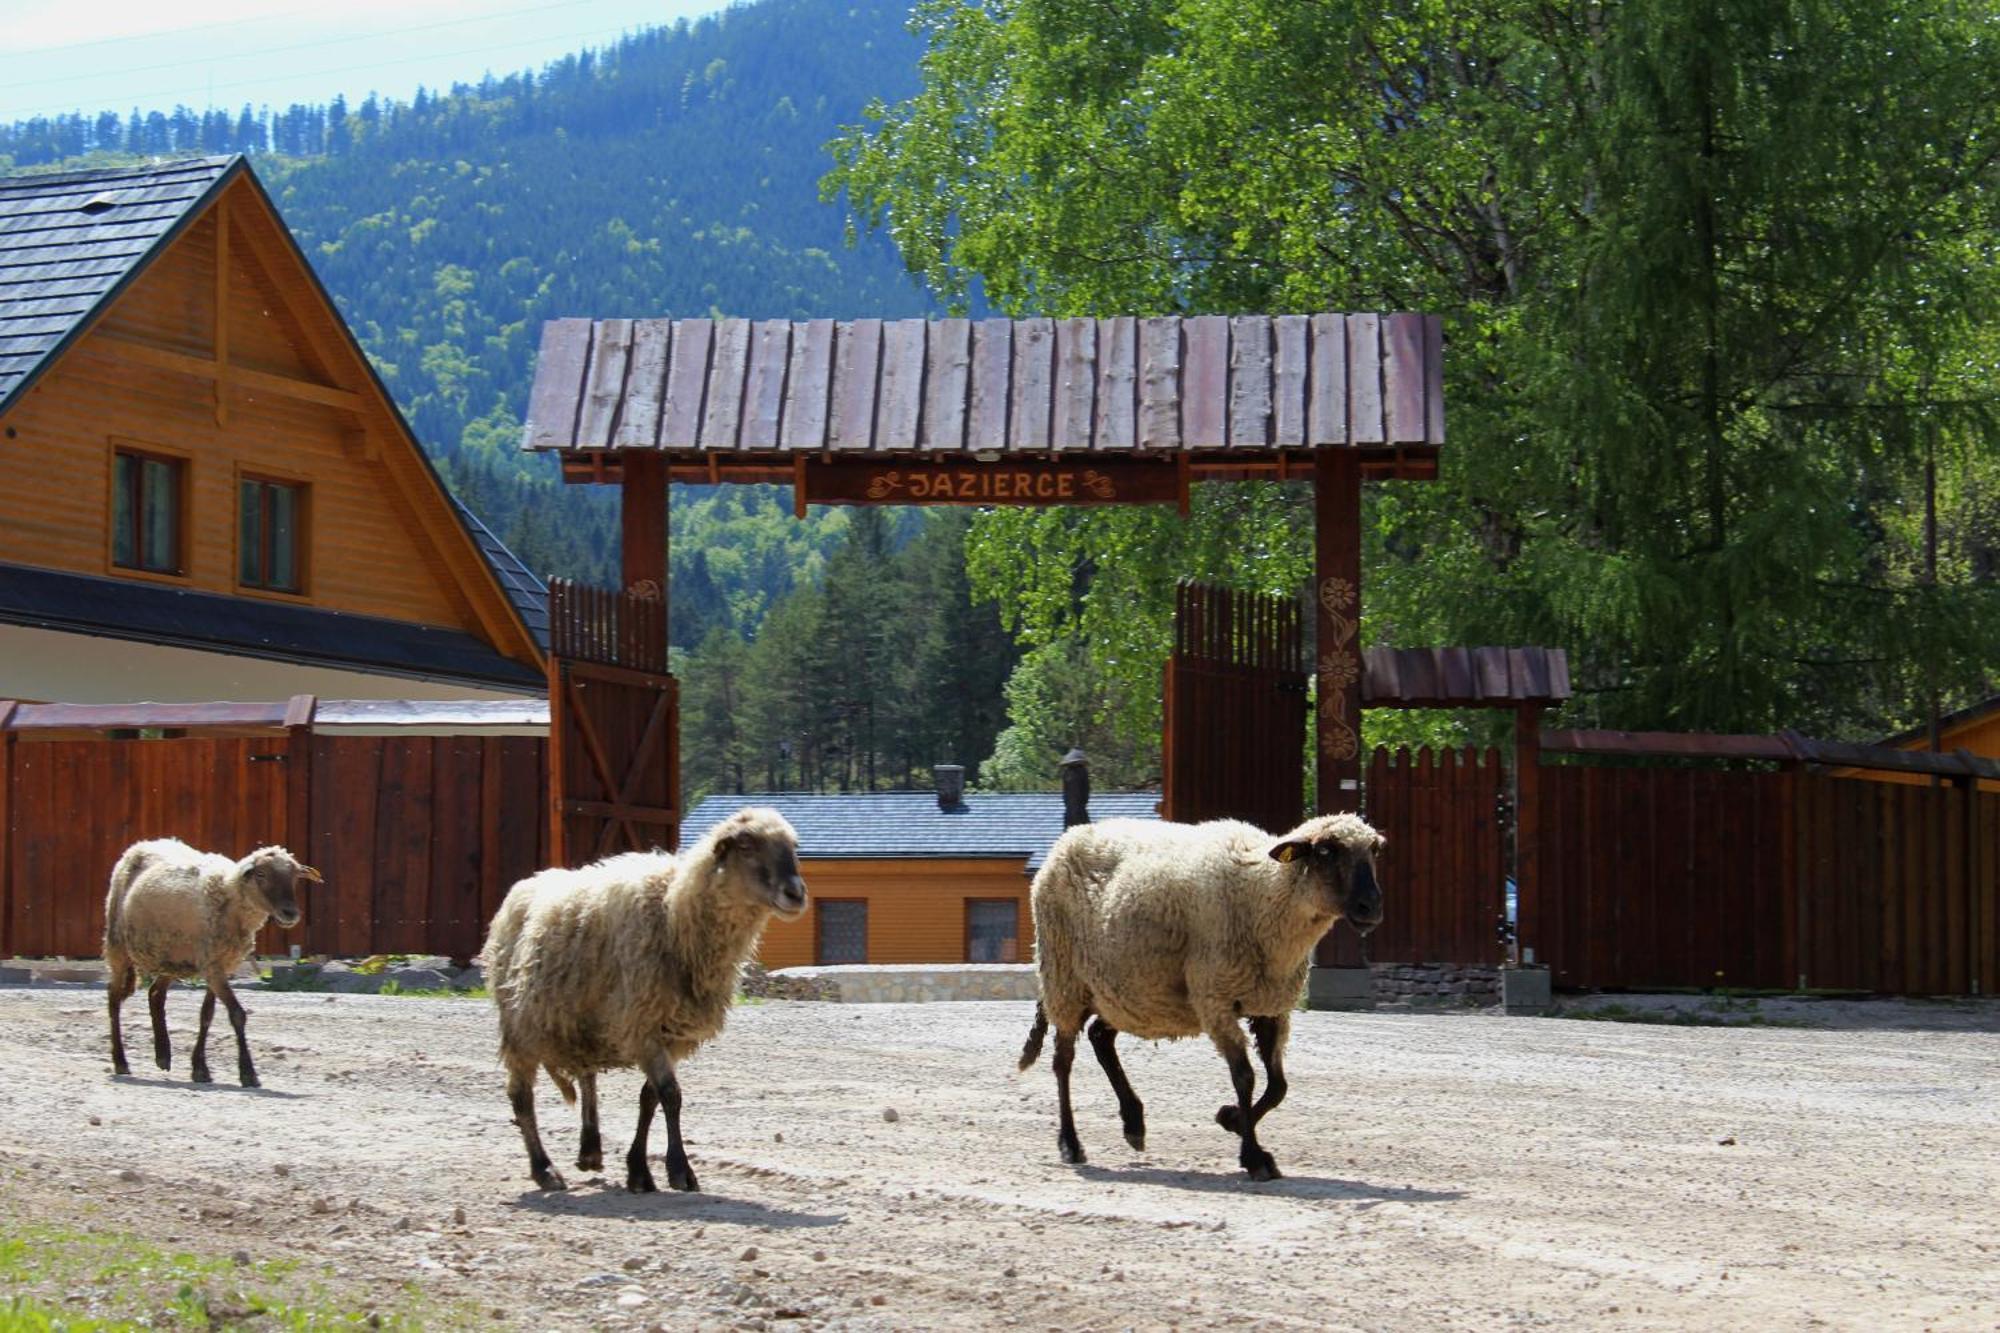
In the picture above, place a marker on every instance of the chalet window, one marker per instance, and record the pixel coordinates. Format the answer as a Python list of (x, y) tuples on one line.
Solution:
[(146, 511), (843, 930), (992, 930), (270, 534)]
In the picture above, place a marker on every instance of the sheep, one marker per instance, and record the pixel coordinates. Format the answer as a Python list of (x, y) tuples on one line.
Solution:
[(632, 961), (1173, 930), (173, 912)]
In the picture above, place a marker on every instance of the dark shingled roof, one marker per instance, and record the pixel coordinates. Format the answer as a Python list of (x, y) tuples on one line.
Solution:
[(529, 594), (148, 613), (908, 824), (69, 241)]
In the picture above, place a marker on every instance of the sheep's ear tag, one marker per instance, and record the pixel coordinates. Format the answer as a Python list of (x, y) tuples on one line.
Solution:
[(1286, 852)]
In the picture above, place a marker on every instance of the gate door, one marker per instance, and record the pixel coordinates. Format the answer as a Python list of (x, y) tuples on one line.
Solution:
[(1235, 705), (614, 725)]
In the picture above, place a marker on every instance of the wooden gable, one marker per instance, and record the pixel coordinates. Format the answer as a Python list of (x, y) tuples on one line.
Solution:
[(223, 350)]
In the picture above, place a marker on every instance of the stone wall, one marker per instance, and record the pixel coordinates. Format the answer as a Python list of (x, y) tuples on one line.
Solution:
[(1441, 984)]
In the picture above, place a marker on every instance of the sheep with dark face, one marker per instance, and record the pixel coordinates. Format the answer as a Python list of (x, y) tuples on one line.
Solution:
[(172, 913), (1175, 930), (632, 961)]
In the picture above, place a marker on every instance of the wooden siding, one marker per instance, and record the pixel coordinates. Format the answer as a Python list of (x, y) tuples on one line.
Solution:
[(916, 908), (382, 539)]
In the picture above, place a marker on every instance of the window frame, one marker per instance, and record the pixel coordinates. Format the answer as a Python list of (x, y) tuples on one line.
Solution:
[(301, 541), (819, 930), (1012, 902), (182, 465)]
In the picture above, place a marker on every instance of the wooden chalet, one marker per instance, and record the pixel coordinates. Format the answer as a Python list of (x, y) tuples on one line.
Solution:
[(205, 490), (915, 877)]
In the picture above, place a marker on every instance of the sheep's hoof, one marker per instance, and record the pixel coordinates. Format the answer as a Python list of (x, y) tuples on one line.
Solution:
[(548, 1178), (1264, 1170), (641, 1182), (120, 1069), (248, 1080), (164, 1059), (1137, 1138), (1072, 1153), (590, 1161), (682, 1178), (199, 1074)]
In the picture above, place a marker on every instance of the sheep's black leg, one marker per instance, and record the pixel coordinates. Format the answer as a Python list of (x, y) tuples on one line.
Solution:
[(1270, 1034), (246, 1073), (156, 1004), (639, 1176), (590, 1144), (124, 980), (1066, 1141), (659, 1071), (1104, 1040), (521, 1095), (198, 1066), (1228, 1039)]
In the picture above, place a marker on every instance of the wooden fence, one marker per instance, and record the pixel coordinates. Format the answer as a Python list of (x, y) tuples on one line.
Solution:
[(419, 836), (1678, 877)]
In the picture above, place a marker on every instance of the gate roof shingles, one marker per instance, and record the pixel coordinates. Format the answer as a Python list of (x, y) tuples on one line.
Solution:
[(1125, 386)]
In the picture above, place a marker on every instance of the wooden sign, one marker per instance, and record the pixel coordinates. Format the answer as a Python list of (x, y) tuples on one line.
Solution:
[(1018, 482)]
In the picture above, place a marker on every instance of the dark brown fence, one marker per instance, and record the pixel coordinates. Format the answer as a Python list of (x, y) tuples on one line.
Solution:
[(1679, 877), (1443, 868), (614, 723), (419, 837), (1235, 709)]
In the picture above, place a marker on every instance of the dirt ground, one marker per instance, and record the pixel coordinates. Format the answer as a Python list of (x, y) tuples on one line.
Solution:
[(1443, 1171)]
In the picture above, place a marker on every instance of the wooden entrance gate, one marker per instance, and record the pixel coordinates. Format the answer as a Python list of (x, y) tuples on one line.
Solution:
[(614, 725), (1235, 708)]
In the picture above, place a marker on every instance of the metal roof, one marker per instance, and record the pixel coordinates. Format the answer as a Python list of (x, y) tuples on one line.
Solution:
[(69, 241), (909, 824), (1249, 384), (247, 626)]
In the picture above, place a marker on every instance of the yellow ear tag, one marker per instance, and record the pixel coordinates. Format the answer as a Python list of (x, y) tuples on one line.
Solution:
[(1287, 852)]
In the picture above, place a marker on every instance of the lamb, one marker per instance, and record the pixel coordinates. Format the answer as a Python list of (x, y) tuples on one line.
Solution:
[(632, 961), (1172, 930), (173, 912)]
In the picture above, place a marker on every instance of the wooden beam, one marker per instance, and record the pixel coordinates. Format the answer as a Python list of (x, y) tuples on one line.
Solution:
[(1099, 481), (1337, 643), (1527, 828), (121, 347), (221, 310)]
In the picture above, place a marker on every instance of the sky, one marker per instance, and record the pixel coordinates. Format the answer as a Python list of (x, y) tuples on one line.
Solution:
[(96, 55)]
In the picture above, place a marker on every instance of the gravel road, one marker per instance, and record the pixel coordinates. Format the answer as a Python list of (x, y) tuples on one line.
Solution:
[(1445, 1171)]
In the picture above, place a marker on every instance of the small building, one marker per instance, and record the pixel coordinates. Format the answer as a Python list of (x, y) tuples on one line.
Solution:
[(205, 490), (1974, 728), (914, 877)]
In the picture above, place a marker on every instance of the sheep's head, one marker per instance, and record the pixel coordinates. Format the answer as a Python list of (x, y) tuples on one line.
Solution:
[(270, 877), (1336, 855), (759, 852)]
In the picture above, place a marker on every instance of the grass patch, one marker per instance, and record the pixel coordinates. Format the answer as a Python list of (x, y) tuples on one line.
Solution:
[(434, 992), (1717, 1011), (53, 1278)]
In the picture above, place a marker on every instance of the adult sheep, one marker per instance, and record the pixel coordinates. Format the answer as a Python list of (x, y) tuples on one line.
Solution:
[(1172, 930), (632, 961), (172, 913)]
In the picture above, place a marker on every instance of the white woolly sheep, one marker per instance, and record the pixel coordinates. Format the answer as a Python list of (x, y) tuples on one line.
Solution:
[(173, 912), (1173, 930), (632, 961)]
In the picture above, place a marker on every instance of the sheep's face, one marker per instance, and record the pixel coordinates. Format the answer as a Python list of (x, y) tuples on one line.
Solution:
[(764, 865), (1337, 858), (271, 877)]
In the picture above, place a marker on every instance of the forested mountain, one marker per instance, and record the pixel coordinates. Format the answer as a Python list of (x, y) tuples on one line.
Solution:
[(675, 172)]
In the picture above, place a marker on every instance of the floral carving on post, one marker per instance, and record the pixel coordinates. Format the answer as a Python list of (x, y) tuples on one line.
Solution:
[(1099, 485), (1339, 668), (885, 485)]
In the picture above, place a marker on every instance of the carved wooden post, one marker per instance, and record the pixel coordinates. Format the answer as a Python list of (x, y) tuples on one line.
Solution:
[(1527, 830), (643, 515), (1337, 608)]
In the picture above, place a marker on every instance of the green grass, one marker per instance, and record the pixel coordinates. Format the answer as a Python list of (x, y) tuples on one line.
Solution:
[(53, 1278), (434, 992)]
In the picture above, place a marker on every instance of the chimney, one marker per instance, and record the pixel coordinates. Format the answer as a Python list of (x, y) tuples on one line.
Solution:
[(950, 785), (1076, 789)]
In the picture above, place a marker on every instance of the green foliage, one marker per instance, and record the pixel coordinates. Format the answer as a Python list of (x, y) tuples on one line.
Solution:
[(1717, 275)]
